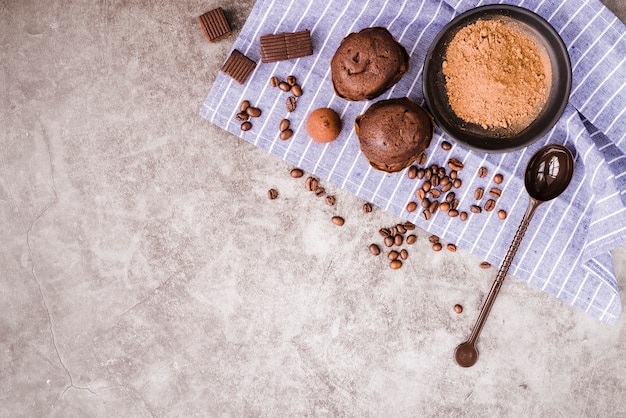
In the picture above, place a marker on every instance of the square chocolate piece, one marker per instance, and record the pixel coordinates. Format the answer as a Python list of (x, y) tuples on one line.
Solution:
[(238, 66), (285, 46), (214, 25)]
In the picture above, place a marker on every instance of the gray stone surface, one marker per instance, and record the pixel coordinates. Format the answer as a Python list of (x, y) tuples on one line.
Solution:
[(144, 272)]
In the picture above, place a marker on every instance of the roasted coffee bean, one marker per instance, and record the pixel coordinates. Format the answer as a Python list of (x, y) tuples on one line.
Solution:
[(272, 194), (433, 239), (338, 220), (454, 204), (291, 80), (411, 207), (453, 174), (411, 239), (450, 197), (490, 205), (308, 184), (434, 205), (254, 112), (455, 164), (428, 174), (434, 168), (485, 265), (286, 134), (479, 193), (296, 173), (401, 229), (451, 247), (434, 193), (495, 192), (397, 240), (274, 81), (374, 249), (244, 105), (320, 191), (393, 255), (426, 214), (453, 213), (246, 126), (330, 200), (502, 214), (411, 172), (421, 160), (444, 206), (458, 308), (314, 184), (296, 90), (446, 146), (482, 172), (284, 125), (475, 209), (457, 183), (434, 181), (395, 264), (420, 173), (420, 194), (367, 207), (437, 246), (463, 216), (388, 241), (284, 86), (446, 188), (444, 180), (241, 116), (426, 186), (393, 231), (404, 254), (441, 171), (410, 226), (498, 178), (291, 103), (384, 232)]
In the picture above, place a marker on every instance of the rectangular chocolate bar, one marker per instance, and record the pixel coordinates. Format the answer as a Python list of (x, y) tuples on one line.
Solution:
[(214, 25), (285, 46), (238, 66)]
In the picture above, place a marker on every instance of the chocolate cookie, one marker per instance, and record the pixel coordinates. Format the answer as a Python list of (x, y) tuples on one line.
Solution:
[(393, 133), (367, 63)]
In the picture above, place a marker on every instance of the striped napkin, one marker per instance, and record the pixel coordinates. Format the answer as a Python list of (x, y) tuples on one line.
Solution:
[(566, 250)]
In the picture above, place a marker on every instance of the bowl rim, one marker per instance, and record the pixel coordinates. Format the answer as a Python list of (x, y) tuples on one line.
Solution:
[(458, 130)]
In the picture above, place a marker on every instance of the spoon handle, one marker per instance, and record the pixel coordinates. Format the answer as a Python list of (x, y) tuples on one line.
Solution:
[(504, 268)]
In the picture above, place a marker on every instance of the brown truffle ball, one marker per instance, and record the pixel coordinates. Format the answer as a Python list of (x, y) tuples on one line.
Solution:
[(323, 125), (367, 63), (393, 133)]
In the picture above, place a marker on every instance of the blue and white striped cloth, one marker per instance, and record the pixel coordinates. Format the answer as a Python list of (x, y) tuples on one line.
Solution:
[(566, 250)]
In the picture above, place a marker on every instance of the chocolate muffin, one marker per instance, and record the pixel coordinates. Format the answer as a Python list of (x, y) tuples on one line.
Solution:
[(393, 133), (367, 63)]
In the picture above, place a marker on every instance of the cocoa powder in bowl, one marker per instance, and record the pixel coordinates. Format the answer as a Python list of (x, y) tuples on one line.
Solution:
[(497, 76)]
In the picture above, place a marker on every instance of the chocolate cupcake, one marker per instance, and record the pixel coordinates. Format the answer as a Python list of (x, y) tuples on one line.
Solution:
[(367, 63), (393, 133)]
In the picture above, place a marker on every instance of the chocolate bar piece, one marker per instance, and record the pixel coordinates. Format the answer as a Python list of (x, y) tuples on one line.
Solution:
[(285, 46), (238, 66), (214, 25)]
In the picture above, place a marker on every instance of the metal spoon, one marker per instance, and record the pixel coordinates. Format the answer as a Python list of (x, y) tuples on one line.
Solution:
[(548, 174)]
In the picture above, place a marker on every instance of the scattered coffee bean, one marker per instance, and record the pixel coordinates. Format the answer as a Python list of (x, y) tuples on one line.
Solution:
[(420, 194), (482, 172), (246, 126), (244, 105), (320, 191), (393, 231), (296, 173), (434, 181), (411, 207), (502, 214), (458, 308), (479, 193), (397, 240), (485, 265), (388, 241), (286, 134), (426, 203), (490, 205), (410, 226), (434, 193), (454, 204), (395, 264), (457, 183), (463, 216), (495, 192), (274, 81), (241, 116), (411, 239), (374, 249), (254, 112), (367, 207), (338, 220), (441, 171), (420, 173), (308, 184), (291, 103), (330, 200), (444, 206), (284, 86), (404, 254), (475, 209), (451, 247), (447, 187), (433, 239), (426, 214), (428, 174), (455, 164), (450, 197), (296, 90), (412, 172), (444, 180), (291, 80), (384, 232), (272, 194), (453, 213), (453, 174), (434, 205), (314, 184), (393, 255), (284, 125), (437, 246), (498, 178), (446, 146), (426, 186), (401, 229), (421, 160)]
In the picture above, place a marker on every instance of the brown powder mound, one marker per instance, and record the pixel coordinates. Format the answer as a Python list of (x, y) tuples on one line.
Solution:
[(496, 76)]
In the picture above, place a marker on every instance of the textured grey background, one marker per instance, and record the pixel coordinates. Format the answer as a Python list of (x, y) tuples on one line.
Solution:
[(144, 272)]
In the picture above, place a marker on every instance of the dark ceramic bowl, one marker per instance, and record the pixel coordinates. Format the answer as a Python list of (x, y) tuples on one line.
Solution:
[(488, 140)]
